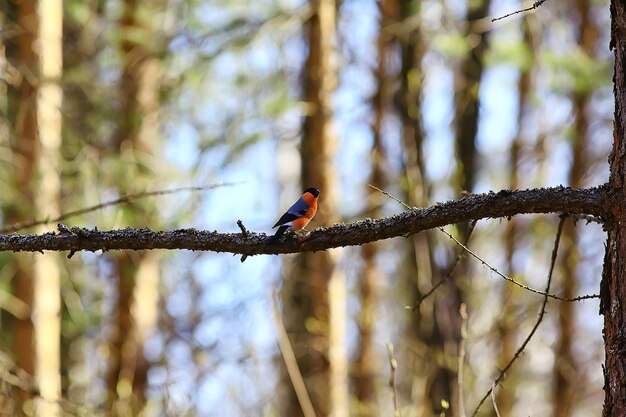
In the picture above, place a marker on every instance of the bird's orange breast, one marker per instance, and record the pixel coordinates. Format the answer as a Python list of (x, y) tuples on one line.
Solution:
[(310, 199), (301, 222)]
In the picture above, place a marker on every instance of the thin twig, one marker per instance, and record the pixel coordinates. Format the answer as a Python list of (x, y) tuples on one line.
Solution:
[(535, 5), (244, 231), (493, 401), (397, 200), (539, 319), (460, 255), (463, 314), (513, 281), (245, 234), (393, 364), (291, 362), (488, 265), (121, 200)]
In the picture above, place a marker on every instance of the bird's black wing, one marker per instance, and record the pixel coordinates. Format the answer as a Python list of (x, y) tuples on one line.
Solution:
[(296, 211), (286, 218)]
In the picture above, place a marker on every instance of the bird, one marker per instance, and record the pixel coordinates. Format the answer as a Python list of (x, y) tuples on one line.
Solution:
[(298, 215)]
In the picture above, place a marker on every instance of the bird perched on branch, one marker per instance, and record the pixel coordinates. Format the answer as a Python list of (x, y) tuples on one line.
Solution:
[(298, 215)]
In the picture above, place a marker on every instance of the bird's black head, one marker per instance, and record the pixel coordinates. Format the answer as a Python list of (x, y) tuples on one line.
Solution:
[(313, 191)]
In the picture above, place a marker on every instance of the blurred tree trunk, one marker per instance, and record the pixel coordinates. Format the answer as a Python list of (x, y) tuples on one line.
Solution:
[(22, 115), (566, 373), (506, 327), (137, 273), (410, 109), (467, 104), (85, 113), (365, 366), (314, 290), (613, 286), (418, 272), (47, 310), (467, 88)]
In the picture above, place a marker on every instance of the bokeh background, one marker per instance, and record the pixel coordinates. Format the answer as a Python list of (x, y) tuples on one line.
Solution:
[(255, 101)]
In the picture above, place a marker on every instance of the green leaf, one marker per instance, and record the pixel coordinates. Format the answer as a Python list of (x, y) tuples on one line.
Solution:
[(454, 45)]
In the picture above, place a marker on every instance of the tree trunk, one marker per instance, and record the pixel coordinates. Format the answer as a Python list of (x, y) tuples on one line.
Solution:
[(507, 330), (568, 379), (137, 273), (365, 366), (467, 88), (47, 312), (467, 103), (419, 271), (315, 291), (613, 287), (22, 115)]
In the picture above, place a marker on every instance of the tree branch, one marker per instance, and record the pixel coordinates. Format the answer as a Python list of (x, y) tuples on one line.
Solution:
[(535, 5), (505, 203)]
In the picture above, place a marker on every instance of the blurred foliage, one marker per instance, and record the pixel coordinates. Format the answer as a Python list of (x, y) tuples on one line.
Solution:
[(515, 53), (577, 72), (231, 109)]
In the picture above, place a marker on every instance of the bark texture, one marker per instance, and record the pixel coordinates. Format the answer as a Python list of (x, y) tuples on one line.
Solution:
[(506, 203), (613, 291)]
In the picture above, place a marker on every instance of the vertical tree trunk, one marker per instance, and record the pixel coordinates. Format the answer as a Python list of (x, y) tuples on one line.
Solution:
[(567, 378), (467, 87), (506, 328), (315, 291), (467, 104), (418, 269), (365, 366), (22, 113), (47, 312), (137, 273), (613, 287)]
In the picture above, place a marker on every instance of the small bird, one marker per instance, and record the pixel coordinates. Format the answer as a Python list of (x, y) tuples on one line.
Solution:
[(298, 215)]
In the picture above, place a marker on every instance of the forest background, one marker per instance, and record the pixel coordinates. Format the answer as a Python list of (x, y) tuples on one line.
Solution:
[(234, 108)]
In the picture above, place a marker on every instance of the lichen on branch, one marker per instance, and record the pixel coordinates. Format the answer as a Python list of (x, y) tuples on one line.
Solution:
[(503, 204)]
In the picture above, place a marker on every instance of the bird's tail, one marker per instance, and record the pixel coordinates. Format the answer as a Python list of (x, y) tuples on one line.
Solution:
[(279, 233)]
